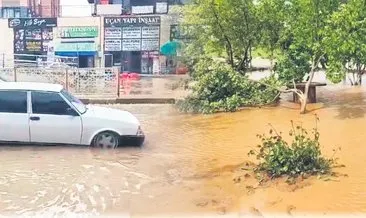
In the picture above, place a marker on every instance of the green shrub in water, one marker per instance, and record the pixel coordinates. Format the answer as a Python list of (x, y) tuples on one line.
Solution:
[(222, 89), (301, 157)]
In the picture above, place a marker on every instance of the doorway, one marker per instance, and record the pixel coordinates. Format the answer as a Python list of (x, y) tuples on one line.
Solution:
[(86, 61), (131, 61)]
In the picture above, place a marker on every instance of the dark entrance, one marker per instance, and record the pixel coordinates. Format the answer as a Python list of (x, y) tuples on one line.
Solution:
[(86, 61), (131, 61)]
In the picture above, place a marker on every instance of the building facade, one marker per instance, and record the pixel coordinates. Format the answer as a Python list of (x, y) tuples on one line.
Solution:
[(132, 43), (49, 8), (80, 42), (14, 8), (29, 8)]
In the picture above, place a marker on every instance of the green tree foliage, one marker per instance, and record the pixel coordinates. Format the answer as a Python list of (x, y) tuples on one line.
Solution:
[(271, 24), (346, 42), (292, 67), (305, 25), (224, 28), (306, 32)]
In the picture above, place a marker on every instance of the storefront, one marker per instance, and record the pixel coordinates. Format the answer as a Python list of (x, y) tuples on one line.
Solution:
[(78, 42), (132, 43), (31, 39)]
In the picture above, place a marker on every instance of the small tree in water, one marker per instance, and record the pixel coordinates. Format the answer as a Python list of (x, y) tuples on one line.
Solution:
[(301, 157)]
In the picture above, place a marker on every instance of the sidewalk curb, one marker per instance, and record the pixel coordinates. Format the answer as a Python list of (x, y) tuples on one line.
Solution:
[(128, 100)]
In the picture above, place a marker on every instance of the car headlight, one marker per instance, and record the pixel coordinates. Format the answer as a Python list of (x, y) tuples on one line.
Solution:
[(139, 132)]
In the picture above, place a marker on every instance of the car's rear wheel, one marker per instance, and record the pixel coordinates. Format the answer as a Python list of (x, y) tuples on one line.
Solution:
[(106, 140)]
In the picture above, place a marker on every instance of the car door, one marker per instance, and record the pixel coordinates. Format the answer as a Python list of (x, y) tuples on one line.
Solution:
[(53, 120), (14, 117)]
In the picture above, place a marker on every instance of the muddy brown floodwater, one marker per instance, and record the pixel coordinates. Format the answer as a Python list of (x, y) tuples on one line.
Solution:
[(190, 165)]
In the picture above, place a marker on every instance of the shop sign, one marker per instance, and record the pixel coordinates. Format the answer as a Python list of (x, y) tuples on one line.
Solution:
[(131, 32), (75, 47), (33, 46), (150, 32), (135, 33), (32, 40), (31, 22), (127, 21), (148, 9), (113, 32), (113, 45), (78, 32), (150, 44), (131, 45)]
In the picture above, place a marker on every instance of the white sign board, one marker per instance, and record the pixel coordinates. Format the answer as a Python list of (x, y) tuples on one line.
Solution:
[(108, 9), (131, 44), (131, 32), (161, 7), (143, 9), (112, 45), (113, 32), (150, 44), (150, 32)]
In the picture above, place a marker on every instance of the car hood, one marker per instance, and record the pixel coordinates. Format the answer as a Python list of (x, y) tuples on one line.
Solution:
[(111, 114)]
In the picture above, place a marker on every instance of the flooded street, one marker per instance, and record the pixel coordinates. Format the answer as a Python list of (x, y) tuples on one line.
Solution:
[(188, 166)]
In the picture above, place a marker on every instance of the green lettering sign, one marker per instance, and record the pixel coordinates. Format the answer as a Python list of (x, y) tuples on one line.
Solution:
[(75, 47), (78, 32)]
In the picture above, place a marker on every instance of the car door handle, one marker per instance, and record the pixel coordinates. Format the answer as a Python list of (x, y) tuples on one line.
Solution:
[(34, 118)]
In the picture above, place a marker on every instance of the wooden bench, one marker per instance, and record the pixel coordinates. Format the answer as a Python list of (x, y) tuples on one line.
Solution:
[(312, 91)]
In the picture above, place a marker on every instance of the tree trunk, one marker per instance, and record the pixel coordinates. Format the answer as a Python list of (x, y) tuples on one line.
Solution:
[(304, 99), (359, 78), (272, 55), (359, 74)]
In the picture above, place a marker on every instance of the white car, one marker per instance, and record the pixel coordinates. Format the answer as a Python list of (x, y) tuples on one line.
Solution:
[(42, 113)]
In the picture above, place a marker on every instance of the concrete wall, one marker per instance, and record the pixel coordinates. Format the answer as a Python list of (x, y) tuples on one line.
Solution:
[(6, 44)]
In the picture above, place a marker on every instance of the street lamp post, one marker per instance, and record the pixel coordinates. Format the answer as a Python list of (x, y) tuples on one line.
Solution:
[(95, 7)]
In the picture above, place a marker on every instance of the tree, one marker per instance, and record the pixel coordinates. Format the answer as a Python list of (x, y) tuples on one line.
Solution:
[(272, 24), (230, 28), (224, 28), (346, 42), (305, 24)]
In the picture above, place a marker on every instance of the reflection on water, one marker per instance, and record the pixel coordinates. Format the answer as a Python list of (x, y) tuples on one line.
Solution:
[(187, 165)]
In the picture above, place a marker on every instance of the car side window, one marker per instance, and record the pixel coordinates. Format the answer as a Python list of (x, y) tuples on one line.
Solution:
[(13, 102), (49, 103)]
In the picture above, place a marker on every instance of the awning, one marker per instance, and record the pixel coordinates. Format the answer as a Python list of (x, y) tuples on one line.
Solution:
[(75, 54), (170, 48)]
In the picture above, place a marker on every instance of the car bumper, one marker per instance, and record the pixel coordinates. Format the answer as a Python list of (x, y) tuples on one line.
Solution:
[(136, 140)]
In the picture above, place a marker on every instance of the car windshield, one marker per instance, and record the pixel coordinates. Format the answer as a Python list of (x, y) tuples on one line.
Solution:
[(74, 101)]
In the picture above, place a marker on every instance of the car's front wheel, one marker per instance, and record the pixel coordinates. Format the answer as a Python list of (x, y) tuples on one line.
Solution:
[(106, 140)]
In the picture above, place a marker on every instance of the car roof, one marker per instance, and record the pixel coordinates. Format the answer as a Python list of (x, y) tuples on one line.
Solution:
[(31, 86)]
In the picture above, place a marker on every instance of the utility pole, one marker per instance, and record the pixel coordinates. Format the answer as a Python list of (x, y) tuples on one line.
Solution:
[(95, 7)]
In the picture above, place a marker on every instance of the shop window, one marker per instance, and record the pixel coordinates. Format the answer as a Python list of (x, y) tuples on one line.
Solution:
[(11, 12)]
